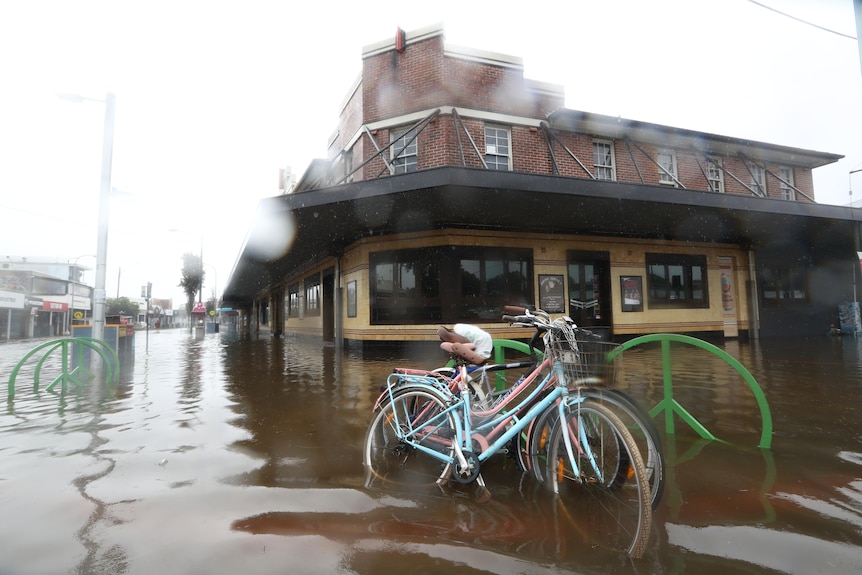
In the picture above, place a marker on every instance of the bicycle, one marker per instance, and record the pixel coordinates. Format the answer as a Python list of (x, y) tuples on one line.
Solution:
[(529, 448), (423, 433), (594, 376)]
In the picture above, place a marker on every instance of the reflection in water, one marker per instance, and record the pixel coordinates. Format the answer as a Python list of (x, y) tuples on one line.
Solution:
[(233, 454)]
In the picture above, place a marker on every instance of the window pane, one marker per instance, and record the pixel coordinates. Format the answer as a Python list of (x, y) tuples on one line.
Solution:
[(658, 281), (384, 278), (404, 153), (406, 280), (696, 282), (494, 278), (471, 275), (430, 283), (497, 151), (517, 279)]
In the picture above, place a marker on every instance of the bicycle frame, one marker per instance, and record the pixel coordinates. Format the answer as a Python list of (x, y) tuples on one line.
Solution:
[(464, 430)]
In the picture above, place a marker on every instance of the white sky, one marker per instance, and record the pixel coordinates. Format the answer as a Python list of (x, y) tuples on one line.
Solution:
[(212, 98)]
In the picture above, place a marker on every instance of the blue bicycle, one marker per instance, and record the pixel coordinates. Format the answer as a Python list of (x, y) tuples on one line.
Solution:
[(424, 432)]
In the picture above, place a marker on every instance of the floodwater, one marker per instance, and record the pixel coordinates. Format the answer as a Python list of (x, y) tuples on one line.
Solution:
[(228, 454)]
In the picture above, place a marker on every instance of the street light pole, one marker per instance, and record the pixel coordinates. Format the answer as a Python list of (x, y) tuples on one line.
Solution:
[(99, 295)]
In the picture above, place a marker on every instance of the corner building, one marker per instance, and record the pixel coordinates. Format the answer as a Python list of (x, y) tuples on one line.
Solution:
[(454, 186)]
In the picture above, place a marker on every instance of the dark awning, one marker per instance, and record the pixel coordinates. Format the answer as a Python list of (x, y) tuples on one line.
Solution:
[(327, 220)]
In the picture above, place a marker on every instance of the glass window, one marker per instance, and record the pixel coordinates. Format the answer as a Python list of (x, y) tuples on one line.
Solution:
[(492, 278), (312, 295), (603, 160), (448, 284), (786, 186), (667, 173), (715, 175), (48, 286), (405, 287), (293, 300), (784, 284), (758, 179), (498, 154), (677, 280), (404, 151)]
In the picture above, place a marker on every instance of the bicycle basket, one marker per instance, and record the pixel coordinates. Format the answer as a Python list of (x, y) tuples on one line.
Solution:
[(589, 364)]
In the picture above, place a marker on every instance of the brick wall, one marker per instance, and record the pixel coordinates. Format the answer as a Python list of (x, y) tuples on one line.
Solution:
[(423, 78)]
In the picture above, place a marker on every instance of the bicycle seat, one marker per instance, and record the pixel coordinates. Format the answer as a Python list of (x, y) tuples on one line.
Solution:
[(466, 351)]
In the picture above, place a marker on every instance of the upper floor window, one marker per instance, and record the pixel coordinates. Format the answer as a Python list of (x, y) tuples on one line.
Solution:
[(404, 151), (498, 151), (667, 172), (758, 179), (715, 175), (677, 280), (603, 160), (348, 165), (785, 184)]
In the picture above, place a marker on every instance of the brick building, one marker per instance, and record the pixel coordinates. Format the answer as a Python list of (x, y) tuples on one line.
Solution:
[(454, 185)]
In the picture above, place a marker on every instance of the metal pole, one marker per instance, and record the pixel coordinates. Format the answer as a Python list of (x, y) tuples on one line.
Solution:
[(99, 295)]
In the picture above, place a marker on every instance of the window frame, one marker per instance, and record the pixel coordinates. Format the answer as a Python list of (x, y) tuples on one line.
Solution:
[(497, 164), (406, 303), (715, 174), (293, 301), (688, 281), (312, 289), (600, 168), (477, 306), (403, 158), (758, 179), (784, 284), (787, 192), (437, 284), (663, 177)]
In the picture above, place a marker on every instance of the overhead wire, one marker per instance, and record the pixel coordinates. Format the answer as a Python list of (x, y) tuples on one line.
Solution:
[(755, 2)]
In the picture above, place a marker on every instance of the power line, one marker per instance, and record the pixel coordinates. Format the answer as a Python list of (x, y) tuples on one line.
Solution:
[(801, 20)]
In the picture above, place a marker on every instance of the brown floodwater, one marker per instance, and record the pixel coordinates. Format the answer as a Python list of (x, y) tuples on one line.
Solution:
[(228, 454)]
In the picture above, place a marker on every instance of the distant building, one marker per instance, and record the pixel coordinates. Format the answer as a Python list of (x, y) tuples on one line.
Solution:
[(41, 298), (455, 186)]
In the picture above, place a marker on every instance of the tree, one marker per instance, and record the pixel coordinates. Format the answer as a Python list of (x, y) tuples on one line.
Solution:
[(121, 306), (192, 278)]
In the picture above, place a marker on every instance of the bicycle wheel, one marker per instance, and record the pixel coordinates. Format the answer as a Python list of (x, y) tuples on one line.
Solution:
[(639, 423), (413, 416), (533, 443), (644, 431), (602, 486)]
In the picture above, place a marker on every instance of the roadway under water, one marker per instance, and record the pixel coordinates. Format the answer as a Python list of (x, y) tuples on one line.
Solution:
[(241, 455)]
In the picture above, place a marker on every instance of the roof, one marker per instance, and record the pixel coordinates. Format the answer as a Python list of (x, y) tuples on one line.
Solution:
[(659, 135), (323, 222)]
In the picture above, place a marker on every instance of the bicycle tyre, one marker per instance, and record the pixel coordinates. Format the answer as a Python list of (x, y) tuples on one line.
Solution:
[(532, 445), (390, 459), (606, 490)]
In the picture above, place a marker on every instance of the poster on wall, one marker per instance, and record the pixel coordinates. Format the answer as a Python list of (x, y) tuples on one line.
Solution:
[(351, 298), (552, 297), (631, 288)]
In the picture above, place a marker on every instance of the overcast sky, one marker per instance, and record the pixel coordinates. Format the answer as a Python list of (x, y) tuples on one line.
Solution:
[(213, 98)]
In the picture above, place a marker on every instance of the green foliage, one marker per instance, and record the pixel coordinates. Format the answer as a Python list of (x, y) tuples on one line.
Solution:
[(192, 278), (121, 306)]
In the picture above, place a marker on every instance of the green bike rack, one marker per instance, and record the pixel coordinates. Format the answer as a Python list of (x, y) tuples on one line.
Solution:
[(670, 406), (75, 376)]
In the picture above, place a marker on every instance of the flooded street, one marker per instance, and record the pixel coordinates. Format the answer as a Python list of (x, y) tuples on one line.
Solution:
[(230, 454)]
